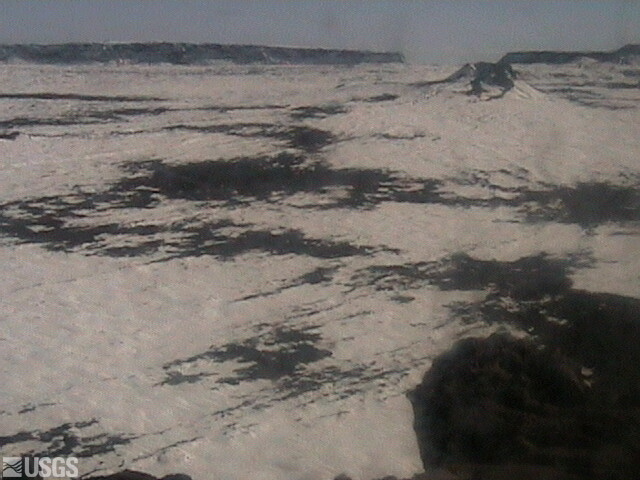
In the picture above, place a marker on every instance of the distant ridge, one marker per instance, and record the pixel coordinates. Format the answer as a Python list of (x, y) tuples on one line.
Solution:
[(187, 54), (623, 55)]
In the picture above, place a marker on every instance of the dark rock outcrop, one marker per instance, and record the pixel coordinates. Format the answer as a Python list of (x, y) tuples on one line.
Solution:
[(499, 75), (500, 403), (482, 77), (127, 475), (134, 475), (623, 55), (9, 135), (187, 54), (418, 476)]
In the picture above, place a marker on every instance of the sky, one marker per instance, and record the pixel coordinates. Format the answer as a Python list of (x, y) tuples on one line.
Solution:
[(438, 31)]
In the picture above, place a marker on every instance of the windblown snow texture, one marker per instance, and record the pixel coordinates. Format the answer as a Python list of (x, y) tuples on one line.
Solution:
[(239, 269)]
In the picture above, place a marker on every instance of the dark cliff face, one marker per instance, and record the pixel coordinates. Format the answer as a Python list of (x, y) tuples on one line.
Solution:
[(622, 55), (187, 54)]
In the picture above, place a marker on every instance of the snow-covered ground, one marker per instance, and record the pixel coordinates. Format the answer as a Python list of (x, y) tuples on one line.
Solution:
[(238, 272)]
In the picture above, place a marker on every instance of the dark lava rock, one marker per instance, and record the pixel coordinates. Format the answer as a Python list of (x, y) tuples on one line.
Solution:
[(490, 406), (491, 74), (419, 476), (133, 475), (9, 135), (481, 77), (587, 204)]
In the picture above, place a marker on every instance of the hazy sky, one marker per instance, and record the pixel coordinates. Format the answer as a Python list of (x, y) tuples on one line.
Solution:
[(426, 31)]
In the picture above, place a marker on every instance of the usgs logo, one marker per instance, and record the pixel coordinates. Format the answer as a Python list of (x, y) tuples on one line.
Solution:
[(39, 467)]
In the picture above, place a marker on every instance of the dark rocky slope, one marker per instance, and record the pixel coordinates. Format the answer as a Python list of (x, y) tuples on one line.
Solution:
[(563, 404), (501, 403)]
